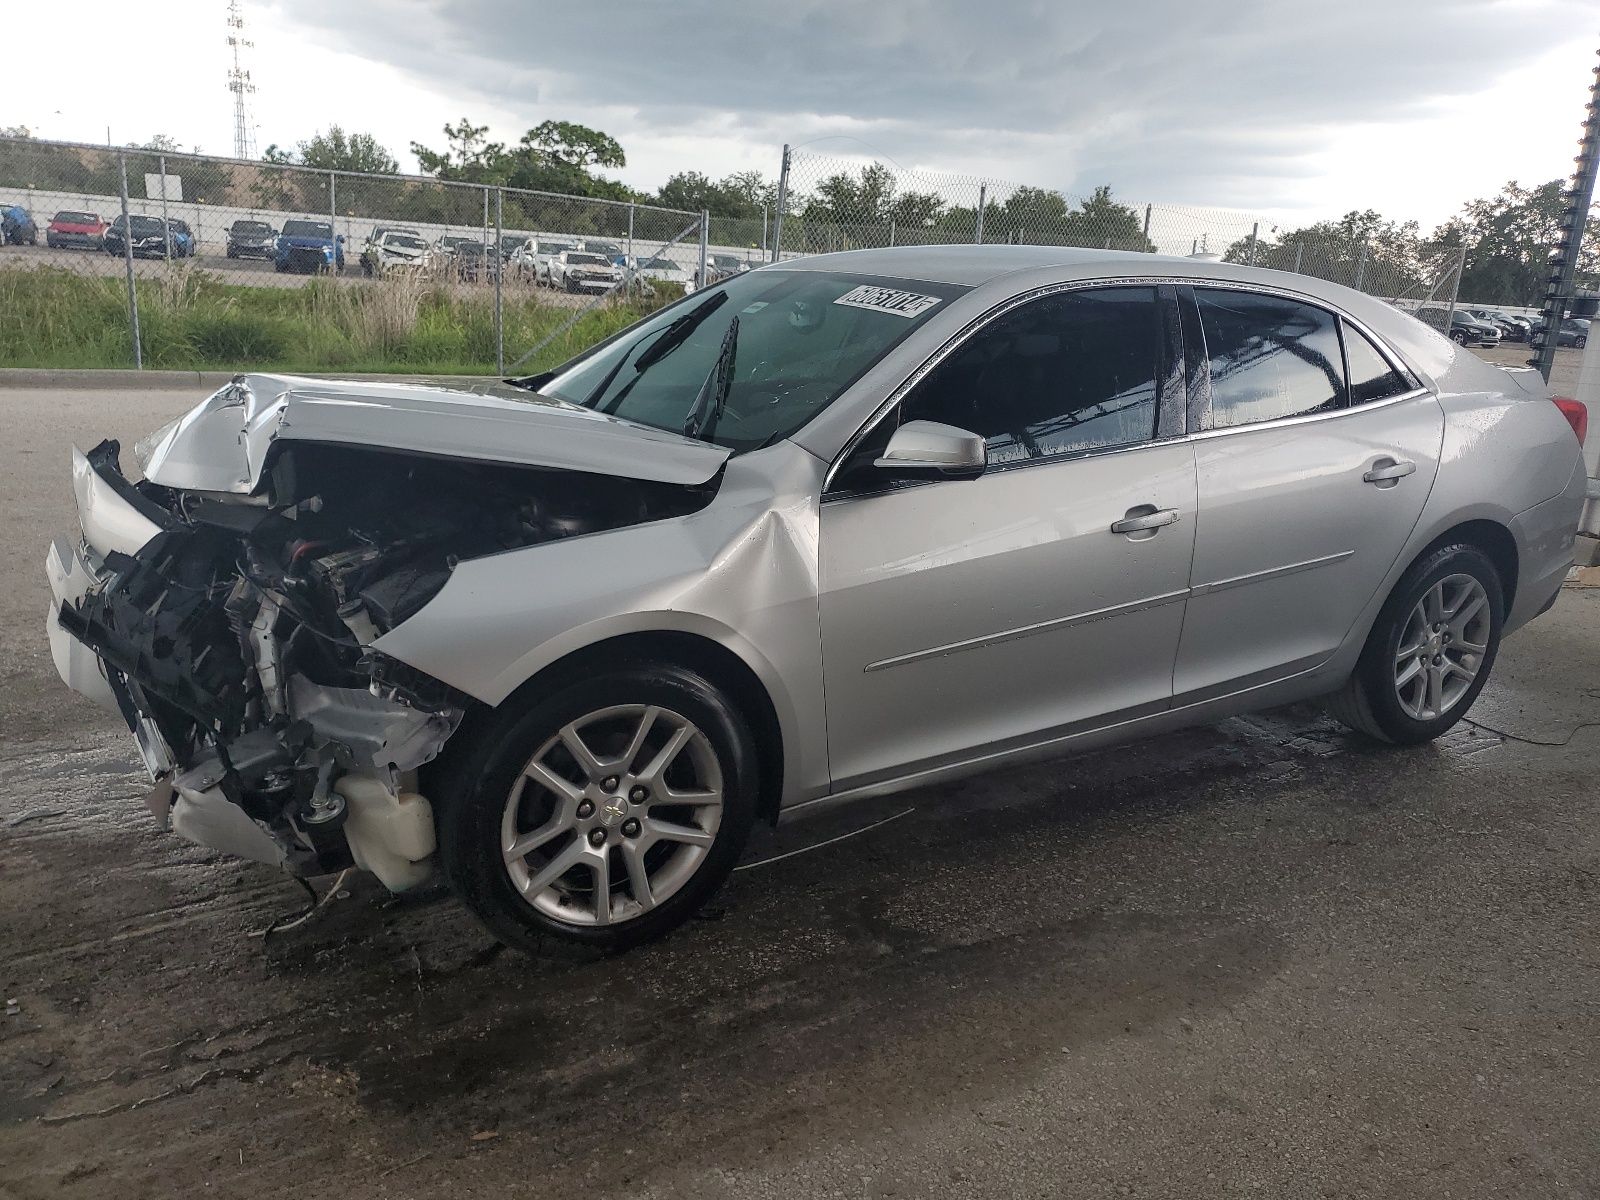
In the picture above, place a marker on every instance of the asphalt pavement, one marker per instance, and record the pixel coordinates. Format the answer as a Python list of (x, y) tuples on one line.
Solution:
[(1259, 958)]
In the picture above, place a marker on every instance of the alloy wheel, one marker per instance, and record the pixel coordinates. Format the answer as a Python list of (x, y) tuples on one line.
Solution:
[(612, 815), (1442, 647)]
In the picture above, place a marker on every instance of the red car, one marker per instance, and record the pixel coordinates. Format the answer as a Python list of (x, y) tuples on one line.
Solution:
[(82, 229)]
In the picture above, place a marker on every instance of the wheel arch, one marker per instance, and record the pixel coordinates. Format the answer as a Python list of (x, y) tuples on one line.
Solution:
[(1494, 539), (718, 663)]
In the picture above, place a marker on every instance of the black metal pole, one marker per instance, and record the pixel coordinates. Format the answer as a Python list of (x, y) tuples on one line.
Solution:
[(1564, 260)]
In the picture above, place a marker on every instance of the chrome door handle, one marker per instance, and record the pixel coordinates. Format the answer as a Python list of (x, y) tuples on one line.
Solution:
[(1148, 521), (1388, 471)]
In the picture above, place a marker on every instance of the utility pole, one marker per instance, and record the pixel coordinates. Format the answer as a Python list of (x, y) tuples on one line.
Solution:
[(1564, 260)]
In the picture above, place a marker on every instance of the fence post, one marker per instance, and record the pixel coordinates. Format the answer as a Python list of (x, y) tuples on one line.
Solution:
[(483, 275), (1147, 240), (333, 222), (1255, 231), (783, 197), (1455, 288), (764, 251), (499, 265), (1361, 265), (983, 197), (705, 238), (1299, 250), (127, 262), (891, 231), (1577, 196), (631, 207), (166, 229)]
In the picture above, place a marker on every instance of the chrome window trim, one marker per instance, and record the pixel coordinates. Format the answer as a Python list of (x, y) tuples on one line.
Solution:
[(1012, 302)]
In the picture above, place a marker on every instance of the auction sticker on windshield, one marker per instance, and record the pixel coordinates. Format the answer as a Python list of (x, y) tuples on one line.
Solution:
[(889, 300)]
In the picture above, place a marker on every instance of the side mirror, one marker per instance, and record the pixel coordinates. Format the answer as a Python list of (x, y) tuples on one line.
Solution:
[(933, 448)]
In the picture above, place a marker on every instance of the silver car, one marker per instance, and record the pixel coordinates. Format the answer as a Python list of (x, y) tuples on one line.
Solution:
[(826, 530)]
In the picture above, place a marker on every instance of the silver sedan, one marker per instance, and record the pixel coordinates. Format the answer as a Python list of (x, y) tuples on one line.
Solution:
[(825, 530)]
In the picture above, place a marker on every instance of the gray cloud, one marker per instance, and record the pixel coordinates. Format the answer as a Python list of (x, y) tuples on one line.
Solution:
[(1213, 102)]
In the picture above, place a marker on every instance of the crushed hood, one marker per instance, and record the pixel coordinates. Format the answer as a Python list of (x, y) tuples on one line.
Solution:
[(222, 444)]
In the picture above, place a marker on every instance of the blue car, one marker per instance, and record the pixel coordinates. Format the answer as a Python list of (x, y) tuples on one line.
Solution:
[(17, 227), (308, 247)]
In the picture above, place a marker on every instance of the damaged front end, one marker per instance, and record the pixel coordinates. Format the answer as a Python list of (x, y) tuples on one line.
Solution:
[(233, 630)]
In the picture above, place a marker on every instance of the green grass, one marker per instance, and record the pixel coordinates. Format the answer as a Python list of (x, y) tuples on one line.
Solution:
[(193, 321)]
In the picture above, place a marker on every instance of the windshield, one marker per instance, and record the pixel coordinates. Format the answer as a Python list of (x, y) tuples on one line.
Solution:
[(551, 247), (602, 248), (592, 260), (803, 337), (142, 224), (406, 243), (308, 229), (252, 228), (76, 218), (660, 264)]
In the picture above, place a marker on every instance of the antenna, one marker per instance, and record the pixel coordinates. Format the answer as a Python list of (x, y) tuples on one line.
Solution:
[(244, 138)]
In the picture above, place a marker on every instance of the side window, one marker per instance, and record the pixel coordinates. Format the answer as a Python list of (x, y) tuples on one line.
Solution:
[(1371, 375), (1066, 373), (1270, 357)]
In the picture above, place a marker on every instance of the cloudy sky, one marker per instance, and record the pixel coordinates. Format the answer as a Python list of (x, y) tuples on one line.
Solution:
[(1285, 108)]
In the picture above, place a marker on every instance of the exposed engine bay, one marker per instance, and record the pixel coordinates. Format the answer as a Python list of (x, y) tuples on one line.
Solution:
[(236, 638)]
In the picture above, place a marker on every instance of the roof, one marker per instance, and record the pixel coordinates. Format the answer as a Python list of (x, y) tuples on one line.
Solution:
[(972, 264)]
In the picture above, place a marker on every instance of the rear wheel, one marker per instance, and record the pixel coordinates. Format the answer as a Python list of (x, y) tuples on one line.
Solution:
[(1430, 651), (604, 813)]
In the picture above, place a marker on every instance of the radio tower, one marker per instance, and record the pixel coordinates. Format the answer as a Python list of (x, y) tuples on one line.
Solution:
[(244, 138)]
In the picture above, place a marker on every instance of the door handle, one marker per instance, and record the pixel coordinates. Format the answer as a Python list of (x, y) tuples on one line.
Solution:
[(1145, 519), (1386, 472)]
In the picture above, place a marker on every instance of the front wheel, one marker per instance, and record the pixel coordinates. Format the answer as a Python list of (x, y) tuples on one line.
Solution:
[(604, 813), (1459, 338), (1430, 651)]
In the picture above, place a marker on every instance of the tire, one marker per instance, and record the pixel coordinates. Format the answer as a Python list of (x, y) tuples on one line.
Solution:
[(503, 784), (1407, 698), (1459, 338), (1580, 342)]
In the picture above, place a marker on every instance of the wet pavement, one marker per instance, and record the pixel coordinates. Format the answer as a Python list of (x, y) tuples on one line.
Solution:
[(1261, 958)]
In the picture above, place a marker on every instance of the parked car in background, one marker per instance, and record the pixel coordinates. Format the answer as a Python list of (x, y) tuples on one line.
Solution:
[(467, 256), (307, 246), (948, 509), (72, 229), (17, 227), (1512, 328), (577, 271), (251, 239), (1574, 332), (610, 251), (184, 243), (396, 250), (545, 252), (1467, 330), (664, 270), (151, 237)]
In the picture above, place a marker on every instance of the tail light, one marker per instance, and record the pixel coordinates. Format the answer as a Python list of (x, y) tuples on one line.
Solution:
[(1576, 414)]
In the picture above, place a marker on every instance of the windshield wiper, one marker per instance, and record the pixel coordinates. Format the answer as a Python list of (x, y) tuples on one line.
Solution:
[(708, 404), (673, 336)]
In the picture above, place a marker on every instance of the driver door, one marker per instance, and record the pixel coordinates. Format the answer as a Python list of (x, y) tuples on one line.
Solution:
[(967, 617)]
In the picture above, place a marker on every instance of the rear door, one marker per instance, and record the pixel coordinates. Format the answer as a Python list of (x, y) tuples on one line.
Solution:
[(964, 617), (1311, 471)]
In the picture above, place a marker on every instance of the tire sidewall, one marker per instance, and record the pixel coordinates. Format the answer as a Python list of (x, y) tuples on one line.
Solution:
[(470, 820), (1376, 667)]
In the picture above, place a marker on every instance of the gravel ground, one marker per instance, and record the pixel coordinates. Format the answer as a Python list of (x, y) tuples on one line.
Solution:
[(1260, 958)]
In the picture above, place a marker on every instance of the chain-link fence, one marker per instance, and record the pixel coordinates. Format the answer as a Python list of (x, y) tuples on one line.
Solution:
[(220, 262), (116, 257), (826, 203)]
